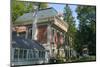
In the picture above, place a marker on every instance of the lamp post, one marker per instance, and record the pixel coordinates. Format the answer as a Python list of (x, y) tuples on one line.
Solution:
[(35, 18)]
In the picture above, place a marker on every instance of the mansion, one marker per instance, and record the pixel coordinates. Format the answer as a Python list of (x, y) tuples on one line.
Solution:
[(48, 43)]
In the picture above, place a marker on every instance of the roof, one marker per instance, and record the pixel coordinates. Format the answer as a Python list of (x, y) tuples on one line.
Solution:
[(41, 14), (19, 42)]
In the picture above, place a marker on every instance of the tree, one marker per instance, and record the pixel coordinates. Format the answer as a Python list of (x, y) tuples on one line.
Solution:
[(43, 5), (69, 19), (18, 8), (70, 35), (87, 28)]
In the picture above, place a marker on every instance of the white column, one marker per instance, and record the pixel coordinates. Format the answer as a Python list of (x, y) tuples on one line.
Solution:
[(34, 26), (49, 39)]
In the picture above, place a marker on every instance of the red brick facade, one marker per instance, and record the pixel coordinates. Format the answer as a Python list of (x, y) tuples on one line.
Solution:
[(42, 34)]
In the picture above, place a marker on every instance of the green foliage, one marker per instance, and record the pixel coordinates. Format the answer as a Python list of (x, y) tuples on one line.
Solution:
[(69, 19), (43, 5), (89, 58), (87, 28), (18, 8)]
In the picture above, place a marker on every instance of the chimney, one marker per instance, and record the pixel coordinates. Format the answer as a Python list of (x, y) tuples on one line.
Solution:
[(60, 15)]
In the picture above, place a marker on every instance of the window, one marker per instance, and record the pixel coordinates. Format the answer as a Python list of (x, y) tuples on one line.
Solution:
[(30, 54), (39, 54), (22, 34), (21, 53), (16, 54), (53, 35), (30, 33), (25, 54), (34, 54), (43, 54)]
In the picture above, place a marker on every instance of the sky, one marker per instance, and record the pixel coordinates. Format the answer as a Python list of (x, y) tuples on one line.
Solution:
[(60, 8)]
